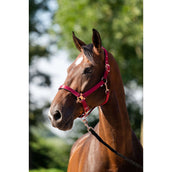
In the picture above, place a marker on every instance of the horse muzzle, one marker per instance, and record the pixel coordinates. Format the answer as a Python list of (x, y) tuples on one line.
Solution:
[(58, 121)]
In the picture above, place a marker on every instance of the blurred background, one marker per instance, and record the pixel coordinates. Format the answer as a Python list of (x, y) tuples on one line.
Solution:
[(51, 50)]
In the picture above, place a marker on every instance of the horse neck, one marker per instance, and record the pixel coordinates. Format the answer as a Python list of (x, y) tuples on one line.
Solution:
[(114, 125)]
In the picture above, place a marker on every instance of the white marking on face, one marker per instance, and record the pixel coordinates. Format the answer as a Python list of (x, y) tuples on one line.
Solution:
[(79, 60)]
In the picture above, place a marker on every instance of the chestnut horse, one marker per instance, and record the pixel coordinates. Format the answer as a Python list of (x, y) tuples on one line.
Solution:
[(88, 154)]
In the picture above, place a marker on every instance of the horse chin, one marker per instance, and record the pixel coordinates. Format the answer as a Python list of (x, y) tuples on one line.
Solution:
[(63, 126)]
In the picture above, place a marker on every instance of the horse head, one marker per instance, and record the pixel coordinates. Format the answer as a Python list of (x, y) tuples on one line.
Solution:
[(85, 72)]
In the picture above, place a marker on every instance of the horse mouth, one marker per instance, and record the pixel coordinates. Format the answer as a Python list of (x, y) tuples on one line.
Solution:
[(63, 125)]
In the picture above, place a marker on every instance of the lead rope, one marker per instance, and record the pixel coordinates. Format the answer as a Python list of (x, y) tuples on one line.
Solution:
[(91, 130)]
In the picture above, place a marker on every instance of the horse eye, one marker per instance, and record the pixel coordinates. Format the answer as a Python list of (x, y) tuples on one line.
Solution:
[(87, 70)]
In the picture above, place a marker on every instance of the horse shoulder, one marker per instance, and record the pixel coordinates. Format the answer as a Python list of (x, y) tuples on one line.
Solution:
[(79, 143), (85, 155), (76, 154)]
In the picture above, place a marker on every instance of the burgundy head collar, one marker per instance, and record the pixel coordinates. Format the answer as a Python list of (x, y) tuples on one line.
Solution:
[(81, 96)]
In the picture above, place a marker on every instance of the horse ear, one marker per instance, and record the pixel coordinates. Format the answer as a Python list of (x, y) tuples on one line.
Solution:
[(97, 43), (78, 42)]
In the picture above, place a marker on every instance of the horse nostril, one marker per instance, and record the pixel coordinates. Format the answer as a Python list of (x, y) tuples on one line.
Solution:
[(57, 115)]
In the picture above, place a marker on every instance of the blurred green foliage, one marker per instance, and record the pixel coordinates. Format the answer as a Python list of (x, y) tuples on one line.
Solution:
[(46, 150), (46, 170), (37, 29)]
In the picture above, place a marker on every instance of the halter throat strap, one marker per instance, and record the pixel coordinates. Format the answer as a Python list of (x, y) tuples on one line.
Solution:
[(82, 96)]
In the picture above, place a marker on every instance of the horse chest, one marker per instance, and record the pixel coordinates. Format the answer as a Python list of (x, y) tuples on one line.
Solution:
[(87, 155)]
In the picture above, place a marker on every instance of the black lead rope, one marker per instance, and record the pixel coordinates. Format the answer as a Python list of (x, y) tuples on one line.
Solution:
[(110, 148)]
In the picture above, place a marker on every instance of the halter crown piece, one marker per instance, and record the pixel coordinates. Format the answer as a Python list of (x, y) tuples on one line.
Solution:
[(82, 96)]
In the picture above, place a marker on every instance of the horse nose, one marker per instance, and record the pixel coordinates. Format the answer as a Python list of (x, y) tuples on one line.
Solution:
[(55, 116)]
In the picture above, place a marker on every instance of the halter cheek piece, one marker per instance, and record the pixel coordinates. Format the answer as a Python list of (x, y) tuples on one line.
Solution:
[(81, 96)]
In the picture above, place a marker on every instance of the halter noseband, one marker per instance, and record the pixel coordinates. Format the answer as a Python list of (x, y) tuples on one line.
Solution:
[(81, 96)]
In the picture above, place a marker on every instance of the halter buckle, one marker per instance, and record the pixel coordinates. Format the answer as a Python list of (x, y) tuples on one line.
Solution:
[(80, 98), (107, 66)]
